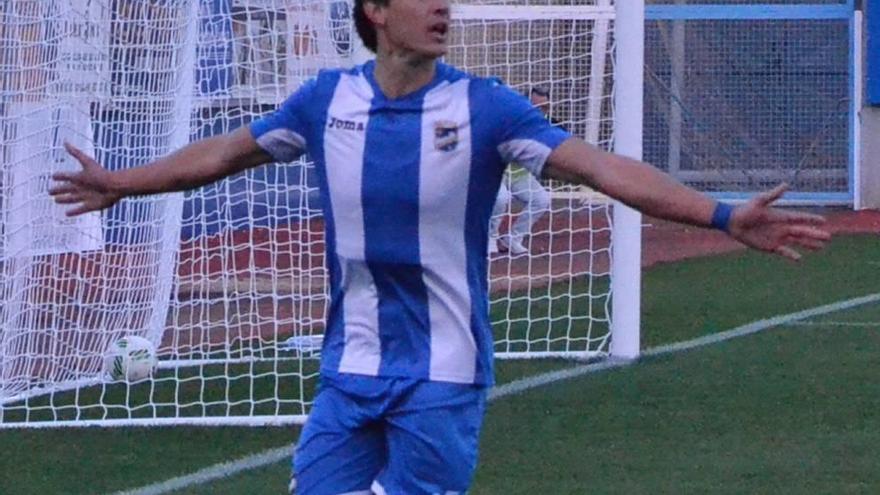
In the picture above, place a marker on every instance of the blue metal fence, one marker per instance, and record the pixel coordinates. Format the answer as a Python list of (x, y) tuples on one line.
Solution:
[(872, 51), (741, 96)]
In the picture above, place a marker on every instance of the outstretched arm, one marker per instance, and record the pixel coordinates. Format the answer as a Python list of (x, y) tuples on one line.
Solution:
[(197, 164), (756, 224)]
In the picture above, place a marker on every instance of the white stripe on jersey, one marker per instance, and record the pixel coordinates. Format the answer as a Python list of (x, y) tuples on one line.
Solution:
[(344, 158), (343, 155), (529, 153), (363, 351), (444, 176), (283, 144)]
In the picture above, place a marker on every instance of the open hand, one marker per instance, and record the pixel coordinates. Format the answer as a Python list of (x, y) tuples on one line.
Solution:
[(759, 225), (89, 189)]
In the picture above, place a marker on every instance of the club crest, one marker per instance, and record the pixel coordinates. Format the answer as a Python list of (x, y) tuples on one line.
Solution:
[(445, 135)]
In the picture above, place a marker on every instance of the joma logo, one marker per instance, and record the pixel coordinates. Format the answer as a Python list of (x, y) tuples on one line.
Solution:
[(345, 125)]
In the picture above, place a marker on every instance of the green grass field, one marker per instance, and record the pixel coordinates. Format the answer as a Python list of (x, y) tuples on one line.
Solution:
[(794, 409)]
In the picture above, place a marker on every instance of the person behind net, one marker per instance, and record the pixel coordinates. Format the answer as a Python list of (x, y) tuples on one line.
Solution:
[(410, 153), (525, 188)]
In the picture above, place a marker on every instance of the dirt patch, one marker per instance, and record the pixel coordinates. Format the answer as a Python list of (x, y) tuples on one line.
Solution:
[(666, 241), (279, 290)]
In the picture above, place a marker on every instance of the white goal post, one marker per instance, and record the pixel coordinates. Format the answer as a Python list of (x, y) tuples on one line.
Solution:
[(228, 281)]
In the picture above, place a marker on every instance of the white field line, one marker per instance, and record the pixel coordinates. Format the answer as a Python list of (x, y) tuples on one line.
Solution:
[(268, 457), (215, 472), (855, 324)]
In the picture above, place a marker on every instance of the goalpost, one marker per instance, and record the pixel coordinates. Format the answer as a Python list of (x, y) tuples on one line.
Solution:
[(228, 281)]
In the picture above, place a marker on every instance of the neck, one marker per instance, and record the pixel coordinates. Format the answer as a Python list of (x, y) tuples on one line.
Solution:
[(399, 74)]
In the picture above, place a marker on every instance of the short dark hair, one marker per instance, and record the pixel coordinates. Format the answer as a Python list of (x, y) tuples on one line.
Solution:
[(540, 90), (366, 30)]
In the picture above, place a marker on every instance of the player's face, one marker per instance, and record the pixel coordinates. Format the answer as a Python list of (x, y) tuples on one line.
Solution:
[(541, 101), (419, 26)]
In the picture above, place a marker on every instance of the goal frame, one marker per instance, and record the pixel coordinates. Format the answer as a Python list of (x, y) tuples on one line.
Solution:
[(628, 19)]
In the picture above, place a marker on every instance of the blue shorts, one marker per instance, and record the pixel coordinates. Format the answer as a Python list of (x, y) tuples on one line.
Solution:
[(394, 436)]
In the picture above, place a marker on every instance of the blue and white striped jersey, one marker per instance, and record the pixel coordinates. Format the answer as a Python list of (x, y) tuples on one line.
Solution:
[(408, 187)]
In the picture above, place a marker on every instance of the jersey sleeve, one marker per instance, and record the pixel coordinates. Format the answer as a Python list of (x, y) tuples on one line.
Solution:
[(524, 135), (283, 133)]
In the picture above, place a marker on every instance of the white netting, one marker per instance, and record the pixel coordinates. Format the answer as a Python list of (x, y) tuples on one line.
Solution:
[(110, 82), (228, 280)]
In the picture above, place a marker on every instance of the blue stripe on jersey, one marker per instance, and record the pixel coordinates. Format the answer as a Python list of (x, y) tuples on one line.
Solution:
[(391, 225), (334, 341), (483, 186), (403, 320), (390, 189)]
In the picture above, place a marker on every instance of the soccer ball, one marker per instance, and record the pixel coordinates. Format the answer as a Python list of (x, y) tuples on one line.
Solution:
[(131, 359)]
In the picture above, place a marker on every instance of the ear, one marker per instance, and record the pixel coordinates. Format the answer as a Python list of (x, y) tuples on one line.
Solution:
[(375, 13)]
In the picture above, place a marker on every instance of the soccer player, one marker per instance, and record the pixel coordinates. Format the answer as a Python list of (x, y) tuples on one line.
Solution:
[(526, 189), (410, 153)]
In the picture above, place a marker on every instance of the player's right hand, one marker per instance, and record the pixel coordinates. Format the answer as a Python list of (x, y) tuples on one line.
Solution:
[(89, 189)]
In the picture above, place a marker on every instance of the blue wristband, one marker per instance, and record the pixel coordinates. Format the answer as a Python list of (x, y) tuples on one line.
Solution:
[(721, 217)]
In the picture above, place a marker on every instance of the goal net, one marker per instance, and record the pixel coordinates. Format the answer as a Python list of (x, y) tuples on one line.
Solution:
[(228, 281)]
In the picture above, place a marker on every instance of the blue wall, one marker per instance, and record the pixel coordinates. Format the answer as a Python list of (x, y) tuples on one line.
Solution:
[(267, 196), (872, 52)]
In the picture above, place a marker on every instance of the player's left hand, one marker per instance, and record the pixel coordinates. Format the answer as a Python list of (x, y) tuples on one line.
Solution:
[(759, 225)]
